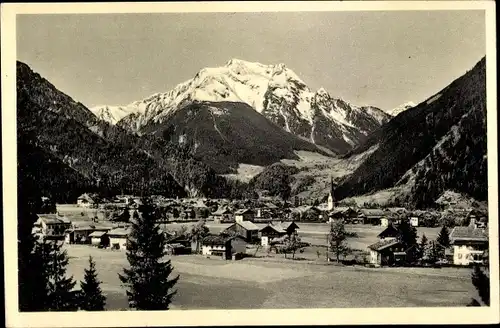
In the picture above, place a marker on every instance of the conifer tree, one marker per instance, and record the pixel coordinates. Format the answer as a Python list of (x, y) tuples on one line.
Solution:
[(147, 279), (91, 297), (443, 237), (422, 246), (32, 271), (198, 232), (61, 295), (434, 252), (408, 237), (337, 239)]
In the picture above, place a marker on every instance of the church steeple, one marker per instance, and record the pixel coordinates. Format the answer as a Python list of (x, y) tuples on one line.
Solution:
[(331, 195)]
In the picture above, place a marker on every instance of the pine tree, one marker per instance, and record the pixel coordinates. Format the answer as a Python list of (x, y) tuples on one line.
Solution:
[(91, 297), (422, 247), (443, 237), (147, 280), (61, 295), (32, 272), (337, 239), (408, 237), (434, 252), (198, 232)]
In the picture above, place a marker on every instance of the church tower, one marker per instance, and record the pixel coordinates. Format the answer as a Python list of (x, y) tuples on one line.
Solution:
[(331, 196)]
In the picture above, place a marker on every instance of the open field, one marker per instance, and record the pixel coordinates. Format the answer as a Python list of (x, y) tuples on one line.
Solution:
[(255, 283), (245, 172)]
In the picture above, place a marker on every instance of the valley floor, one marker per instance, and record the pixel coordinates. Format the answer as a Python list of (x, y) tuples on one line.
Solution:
[(258, 283)]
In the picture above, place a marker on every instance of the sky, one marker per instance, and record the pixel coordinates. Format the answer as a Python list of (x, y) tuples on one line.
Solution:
[(381, 59)]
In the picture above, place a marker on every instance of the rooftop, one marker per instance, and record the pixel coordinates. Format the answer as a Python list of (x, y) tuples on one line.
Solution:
[(54, 219), (372, 212), (468, 234), (221, 211), (119, 232), (97, 234), (383, 244), (243, 211), (248, 225), (215, 240)]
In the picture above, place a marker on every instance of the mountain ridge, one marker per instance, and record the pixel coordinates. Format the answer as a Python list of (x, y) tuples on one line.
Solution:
[(447, 131), (272, 90)]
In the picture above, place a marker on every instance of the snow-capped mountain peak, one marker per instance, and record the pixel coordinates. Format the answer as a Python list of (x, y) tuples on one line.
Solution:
[(275, 91), (401, 108)]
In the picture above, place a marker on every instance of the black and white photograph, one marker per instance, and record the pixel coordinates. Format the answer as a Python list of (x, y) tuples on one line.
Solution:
[(264, 161)]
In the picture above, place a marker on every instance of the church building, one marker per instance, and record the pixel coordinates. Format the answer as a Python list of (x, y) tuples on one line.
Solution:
[(331, 196)]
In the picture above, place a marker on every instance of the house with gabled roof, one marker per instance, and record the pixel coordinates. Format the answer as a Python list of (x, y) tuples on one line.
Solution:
[(391, 232), (222, 214), (469, 244), (387, 252), (224, 246), (372, 216), (99, 238), (86, 200), (246, 229), (118, 238), (276, 231), (80, 233), (51, 226), (243, 214)]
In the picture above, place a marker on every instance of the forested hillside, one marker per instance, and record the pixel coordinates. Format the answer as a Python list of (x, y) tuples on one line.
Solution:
[(275, 179), (224, 134), (52, 177), (121, 161), (460, 162)]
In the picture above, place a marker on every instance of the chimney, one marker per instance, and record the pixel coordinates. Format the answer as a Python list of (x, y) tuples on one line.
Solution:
[(472, 223)]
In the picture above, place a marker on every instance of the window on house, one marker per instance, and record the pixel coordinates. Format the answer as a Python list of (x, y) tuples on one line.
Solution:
[(459, 256)]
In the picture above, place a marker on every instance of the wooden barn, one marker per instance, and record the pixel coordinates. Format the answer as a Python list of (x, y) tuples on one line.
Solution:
[(387, 252), (246, 229)]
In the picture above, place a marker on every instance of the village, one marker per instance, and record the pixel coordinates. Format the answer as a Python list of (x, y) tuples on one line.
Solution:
[(233, 230)]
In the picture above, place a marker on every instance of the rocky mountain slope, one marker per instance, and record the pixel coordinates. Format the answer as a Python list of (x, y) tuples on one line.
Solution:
[(225, 134), (438, 145), (275, 91)]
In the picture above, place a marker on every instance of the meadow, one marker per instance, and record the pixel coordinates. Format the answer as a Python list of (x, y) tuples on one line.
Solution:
[(212, 283)]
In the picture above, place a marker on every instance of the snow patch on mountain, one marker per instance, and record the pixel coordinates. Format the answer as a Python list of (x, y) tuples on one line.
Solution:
[(275, 91), (401, 108)]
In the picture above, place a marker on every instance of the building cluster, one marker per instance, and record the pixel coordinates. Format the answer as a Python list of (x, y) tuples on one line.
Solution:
[(266, 223), (468, 245)]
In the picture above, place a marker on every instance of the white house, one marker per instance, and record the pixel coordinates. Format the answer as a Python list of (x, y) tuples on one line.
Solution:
[(51, 226), (243, 215), (384, 222), (225, 247), (118, 238), (98, 238), (469, 244), (85, 200)]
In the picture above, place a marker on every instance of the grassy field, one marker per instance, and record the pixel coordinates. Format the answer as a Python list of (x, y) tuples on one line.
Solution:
[(255, 283)]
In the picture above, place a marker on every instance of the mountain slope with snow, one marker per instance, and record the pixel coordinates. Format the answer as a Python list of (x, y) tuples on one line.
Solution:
[(401, 108), (275, 91)]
